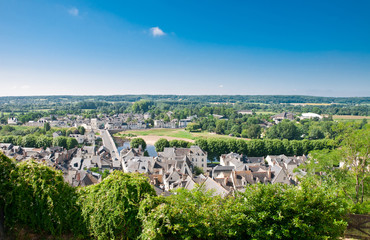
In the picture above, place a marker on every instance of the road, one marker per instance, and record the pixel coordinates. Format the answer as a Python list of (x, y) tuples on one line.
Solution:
[(109, 144)]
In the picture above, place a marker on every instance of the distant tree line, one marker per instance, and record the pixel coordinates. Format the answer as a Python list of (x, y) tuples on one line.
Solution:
[(266, 99), (215, 147)]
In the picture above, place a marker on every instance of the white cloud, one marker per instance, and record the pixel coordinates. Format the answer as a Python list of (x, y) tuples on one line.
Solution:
[(25, 87), (73, 11), (156, 32), (221, 86)]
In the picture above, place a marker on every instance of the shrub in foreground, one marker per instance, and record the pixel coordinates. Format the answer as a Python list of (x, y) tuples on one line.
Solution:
[(41, 200), (262, 212), (110, 208), (188, 214), (284, 212)]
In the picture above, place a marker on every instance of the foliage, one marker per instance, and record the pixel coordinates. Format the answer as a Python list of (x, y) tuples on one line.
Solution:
[(197, 170), (141, 106), (186, 215), (283, 212), (124, 206), (71, 143), (47, 126), (6, 187), (60, 141), (81, 130), (41, 200), (215, 147), (284, 130), (137, 142), (161, 144), (103, 174), (193, 127), (262, 212), (346, 168), (110, 208), (180, 143)]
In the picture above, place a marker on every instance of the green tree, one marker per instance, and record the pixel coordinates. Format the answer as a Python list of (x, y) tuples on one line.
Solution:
[(161, 144), (60, 141), (137, 142), (244, 133), (221, 126), (29, 141), (71, 143), (193, 127), (356, 153), (81, 130), (141, 106), (43, 141), (110, 208), (284, 130), (6, 187), (47, 126), (315, 132), (253, 131), (346, 168)]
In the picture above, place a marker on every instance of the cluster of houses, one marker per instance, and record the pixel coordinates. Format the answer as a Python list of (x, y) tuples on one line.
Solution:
[(76, 163), (174, 168), (122, 121), (171, 169)]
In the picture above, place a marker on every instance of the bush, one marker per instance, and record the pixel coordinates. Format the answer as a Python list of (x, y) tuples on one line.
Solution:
[(41, 200), (6, 167), (262, 212), (188, 215), (110, 208), (285, 212)]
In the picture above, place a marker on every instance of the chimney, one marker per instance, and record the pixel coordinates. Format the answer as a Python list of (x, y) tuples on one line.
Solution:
[(269, 173)]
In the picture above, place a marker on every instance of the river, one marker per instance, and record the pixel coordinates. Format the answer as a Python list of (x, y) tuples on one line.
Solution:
[(149, 148)]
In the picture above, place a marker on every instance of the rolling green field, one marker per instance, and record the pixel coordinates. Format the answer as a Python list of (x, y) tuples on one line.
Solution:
[(266, 112), (175, 133)]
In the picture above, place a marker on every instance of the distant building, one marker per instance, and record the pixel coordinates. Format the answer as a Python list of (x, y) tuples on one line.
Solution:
[(310, 116), (195, 154), (280, 117), (245, 112), (12, 121)]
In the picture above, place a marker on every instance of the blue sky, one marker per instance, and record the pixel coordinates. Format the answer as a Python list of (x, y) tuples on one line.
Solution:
[(273, 47)]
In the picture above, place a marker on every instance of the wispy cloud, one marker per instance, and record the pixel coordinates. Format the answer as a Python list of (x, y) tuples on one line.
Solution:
[(156, 32), (73, 11), (221, 86)]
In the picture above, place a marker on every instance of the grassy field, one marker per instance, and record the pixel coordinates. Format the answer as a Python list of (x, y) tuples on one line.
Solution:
[(311, 104), (263, 112), (174, 133), (344, 118)]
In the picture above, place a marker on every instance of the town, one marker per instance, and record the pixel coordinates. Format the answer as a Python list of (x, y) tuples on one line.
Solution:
[(171, 169)]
